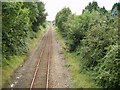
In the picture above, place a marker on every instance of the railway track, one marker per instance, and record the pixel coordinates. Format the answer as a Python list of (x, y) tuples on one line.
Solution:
[(40, 77), (42, 69)]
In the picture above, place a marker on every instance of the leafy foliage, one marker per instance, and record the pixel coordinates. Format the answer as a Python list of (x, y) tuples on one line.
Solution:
[(19, 21), (40, 18), (61, 18), (94, 37), (115, 9), (94, 6)]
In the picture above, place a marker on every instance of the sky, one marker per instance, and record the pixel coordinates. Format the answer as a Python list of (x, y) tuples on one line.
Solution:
[(76, 6)]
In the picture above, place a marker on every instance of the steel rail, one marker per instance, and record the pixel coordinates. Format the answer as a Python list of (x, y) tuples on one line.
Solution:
[(48, 63), (38, 63)]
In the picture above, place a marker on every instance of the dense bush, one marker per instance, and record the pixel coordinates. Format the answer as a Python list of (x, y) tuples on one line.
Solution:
[(94, 37), (61, 18), (19, 21)]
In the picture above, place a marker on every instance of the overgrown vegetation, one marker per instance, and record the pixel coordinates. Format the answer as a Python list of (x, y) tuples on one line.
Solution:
[(21, 28), (19, 21), (79, 79), (16, 61), (93, 36)]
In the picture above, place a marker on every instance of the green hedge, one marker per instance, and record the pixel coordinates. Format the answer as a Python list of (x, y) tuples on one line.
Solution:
[(94, 37)]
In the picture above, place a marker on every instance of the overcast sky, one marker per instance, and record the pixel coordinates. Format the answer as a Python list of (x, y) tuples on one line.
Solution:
[(76, 6)]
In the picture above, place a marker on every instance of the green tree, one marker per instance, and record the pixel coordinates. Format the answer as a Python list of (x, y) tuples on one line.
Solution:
[(115, 9), (61, 18), (93, 36), (15, 26), (19, 20)]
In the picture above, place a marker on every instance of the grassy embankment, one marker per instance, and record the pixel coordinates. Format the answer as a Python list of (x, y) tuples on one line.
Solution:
[(15, 61), (80, 79)]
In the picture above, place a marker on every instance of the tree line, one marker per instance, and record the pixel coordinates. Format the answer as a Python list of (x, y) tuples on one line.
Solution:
[(20, 20), (93, 36)]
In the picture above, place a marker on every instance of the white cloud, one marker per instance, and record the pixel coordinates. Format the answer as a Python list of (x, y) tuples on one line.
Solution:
[(53, 6)]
